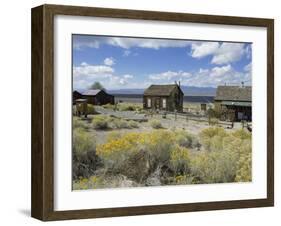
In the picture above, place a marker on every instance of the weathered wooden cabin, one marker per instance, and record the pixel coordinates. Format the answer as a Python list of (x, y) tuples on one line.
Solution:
[(76, 95), (234, 102), (98, 97), (163, 97)]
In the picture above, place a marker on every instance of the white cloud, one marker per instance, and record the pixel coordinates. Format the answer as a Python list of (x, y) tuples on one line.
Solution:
[(224, 53), (79, 44), (85, 74), (248, 73), (94, 42), (109, 61), (128, 43), (127, 76), (203, 49), (248, 67), (220, 71), (169, 76), (218, 76), (124, 79), (248, 51), (84, 64), (212, 77), (228, 52), (92, 70), (126, 52), (221, 53), (203, 77)]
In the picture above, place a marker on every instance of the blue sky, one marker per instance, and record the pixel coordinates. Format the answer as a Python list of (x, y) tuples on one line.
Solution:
[(122, 62)]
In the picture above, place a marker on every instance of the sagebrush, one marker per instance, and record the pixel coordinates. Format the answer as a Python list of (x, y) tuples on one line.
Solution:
[(163, 157)]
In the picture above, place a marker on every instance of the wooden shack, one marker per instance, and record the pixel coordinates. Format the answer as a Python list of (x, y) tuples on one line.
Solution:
[(163, 97), (234, 102), (81, 107), (98, 97), (76, 95)]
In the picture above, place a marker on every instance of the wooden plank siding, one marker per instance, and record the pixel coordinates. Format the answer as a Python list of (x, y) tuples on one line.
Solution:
[(158, 93)]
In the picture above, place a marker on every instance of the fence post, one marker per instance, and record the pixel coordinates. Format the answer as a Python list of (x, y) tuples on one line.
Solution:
[(243, 123)]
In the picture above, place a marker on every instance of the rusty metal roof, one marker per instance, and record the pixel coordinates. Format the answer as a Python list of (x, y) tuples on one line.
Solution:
[(91, 92), (234, 93), (160, 90)]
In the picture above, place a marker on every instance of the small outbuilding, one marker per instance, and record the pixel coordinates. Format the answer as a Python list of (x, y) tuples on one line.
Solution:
[(76, 95), (234, 102), (81, 107), (98, 97), (163, 97)]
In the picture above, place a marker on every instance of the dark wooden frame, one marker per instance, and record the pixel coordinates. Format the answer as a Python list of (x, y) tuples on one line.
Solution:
[(42, 202)]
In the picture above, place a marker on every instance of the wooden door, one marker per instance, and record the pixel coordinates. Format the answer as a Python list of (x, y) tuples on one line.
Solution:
[(157, 103)]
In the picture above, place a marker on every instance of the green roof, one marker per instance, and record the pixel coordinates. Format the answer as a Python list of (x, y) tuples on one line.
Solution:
[(237, 103)]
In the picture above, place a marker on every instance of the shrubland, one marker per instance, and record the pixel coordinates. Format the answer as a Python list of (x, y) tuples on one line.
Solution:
[(161, 157), (104, 122)]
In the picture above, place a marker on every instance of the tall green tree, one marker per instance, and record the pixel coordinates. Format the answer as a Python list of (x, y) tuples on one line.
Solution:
[(97, 85)]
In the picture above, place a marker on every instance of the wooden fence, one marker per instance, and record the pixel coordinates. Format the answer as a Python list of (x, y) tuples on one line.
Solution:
[(194, 117)]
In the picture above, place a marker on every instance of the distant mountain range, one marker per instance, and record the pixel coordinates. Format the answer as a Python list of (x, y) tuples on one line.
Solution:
[(188, 91)]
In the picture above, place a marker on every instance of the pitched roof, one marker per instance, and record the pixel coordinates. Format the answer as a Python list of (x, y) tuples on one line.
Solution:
[(235, 93), (91, 92), (160, 90)]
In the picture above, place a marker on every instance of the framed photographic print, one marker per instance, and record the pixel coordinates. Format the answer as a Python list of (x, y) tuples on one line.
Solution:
[(141, 112)]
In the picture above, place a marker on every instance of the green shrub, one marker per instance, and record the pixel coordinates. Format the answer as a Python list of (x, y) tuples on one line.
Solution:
[(229, 159), (84, 158), (214, 113), (213, 167), (116, 153), (182, 179), (109, 106), (114, 135), (160, 144), (180, 160), (103, 181), (206, 136), (117, 123), (213, 121), (156, 124), (126, 107), (83, 141), (91, 109), (133, 124), (100, 122), (244, 163), (162, 157), (106, 122), (239, 145), (79, 123), (186, 139), (242, 134), (136, 155)]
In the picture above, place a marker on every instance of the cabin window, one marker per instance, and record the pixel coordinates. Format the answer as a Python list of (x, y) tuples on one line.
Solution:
[(148, 102), (164, 103)]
